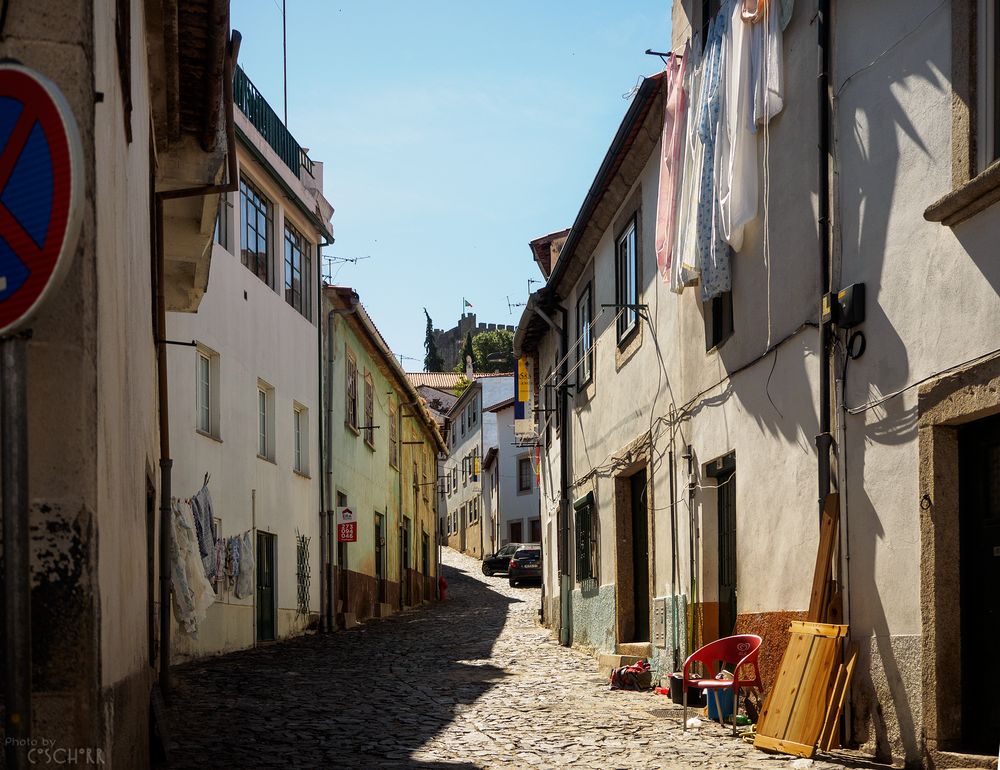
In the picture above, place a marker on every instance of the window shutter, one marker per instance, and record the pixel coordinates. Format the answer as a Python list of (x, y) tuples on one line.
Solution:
[(583, 543)]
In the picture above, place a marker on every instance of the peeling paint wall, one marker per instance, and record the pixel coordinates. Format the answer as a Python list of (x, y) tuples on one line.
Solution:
[(594, 618)]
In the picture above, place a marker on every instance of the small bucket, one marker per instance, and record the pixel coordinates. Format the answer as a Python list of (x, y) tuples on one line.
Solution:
[(695, 696)]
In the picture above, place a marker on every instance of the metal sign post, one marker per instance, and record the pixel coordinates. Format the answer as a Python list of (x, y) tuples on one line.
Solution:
[(16, 550), (41, 193)]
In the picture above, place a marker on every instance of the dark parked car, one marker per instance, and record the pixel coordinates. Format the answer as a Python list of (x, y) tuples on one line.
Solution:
[(498, 562), (525, 563)]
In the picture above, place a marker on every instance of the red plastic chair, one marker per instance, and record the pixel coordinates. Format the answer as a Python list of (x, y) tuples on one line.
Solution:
[(741, 649)]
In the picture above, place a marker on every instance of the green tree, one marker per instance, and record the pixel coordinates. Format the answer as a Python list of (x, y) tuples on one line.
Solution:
[(467, 351), (432, 359), (499, 344), (461, 385)]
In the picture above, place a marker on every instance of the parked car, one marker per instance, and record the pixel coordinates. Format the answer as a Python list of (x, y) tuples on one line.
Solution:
[(525, 563), (498, 562)]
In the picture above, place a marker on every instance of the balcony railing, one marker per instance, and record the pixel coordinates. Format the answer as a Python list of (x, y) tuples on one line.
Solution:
[(252, 104)]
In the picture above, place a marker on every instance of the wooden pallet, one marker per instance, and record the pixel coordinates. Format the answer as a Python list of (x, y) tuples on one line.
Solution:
[(799, 709)]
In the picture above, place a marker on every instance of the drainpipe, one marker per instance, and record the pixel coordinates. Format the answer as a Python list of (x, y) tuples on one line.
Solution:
[(824, 440), (166, 463), (673, 549), (324, 539)]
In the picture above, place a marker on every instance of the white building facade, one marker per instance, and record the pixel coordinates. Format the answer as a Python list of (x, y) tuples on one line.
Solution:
[(513, 505), (244, 399), (688, 431), (472, 430)]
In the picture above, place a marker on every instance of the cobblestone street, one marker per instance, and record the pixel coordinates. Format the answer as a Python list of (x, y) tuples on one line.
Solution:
[(472, 682)]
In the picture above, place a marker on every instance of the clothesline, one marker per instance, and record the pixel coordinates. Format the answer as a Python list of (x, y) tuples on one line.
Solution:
[(717, 97)]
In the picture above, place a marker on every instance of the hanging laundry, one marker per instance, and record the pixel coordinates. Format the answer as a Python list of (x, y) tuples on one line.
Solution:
[(219, 570), (787, 8), (671, 143), (244, 580), (192, 593), (714, 253), (234, 554), (204, 522), (737, 151), (683, 265), (766, 64)]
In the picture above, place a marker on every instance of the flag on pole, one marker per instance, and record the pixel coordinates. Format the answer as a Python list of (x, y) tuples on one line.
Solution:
[(466, 303)]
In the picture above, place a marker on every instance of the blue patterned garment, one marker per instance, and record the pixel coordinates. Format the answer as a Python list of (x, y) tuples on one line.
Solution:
[(714, 254)]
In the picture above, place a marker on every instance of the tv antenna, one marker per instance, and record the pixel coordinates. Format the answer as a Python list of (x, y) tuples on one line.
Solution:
[(330, 261), (512, 305)]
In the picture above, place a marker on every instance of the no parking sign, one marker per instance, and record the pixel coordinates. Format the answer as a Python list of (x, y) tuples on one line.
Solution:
[(41, 190)]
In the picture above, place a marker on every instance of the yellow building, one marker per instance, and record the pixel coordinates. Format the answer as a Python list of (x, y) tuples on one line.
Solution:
[(380, 455)]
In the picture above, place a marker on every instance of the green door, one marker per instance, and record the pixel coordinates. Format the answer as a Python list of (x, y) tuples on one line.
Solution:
[(266, 608), (640, 557)]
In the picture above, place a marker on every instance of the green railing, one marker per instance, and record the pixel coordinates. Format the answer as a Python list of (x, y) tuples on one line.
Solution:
[(252, 104)]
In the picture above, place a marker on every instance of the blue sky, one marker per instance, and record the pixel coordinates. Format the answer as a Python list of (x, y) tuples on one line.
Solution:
[(452, 132)]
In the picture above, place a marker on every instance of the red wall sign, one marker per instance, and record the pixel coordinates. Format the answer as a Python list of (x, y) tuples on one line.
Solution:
[(41, 192), (347, 527)]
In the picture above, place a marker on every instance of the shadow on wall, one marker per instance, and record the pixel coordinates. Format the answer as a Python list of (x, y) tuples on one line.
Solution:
[(360, 698)]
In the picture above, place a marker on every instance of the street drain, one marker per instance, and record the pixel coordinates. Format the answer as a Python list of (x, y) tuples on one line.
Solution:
[(672, 714)]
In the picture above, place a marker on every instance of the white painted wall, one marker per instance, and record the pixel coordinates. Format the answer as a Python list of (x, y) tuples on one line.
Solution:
[(932, 303), (513, 505), (258, 336)]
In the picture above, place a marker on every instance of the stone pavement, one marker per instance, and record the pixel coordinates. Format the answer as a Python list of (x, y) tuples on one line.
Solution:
[(473, 682)]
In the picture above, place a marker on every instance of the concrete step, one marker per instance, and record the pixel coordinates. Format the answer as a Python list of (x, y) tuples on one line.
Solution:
[(607, 662), (637, 649)]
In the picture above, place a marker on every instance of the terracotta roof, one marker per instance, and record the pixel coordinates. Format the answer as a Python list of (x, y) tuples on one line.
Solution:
[(438, 380), (447, 380)]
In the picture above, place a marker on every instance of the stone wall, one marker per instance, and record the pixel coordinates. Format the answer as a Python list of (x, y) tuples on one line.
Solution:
[(450, 342)]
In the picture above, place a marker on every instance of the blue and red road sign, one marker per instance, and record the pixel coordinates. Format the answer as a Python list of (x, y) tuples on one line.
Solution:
[(41, 190)]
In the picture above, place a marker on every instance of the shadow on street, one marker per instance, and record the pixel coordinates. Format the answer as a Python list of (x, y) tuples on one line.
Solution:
[(367, 697)]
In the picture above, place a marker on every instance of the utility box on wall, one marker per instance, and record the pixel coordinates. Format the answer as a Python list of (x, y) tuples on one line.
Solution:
[(660, 621)]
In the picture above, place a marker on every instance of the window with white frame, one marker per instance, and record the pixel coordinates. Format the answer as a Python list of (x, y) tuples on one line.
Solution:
[(393, 437), (351, 390), (255, 230), (207, 392), (298, 271), (300, 439), (585, 352), (627, 281), (524, 474), (369, 410), (265, 421)]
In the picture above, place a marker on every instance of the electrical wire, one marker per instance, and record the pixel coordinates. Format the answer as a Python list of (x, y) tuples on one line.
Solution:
[(889, 396)]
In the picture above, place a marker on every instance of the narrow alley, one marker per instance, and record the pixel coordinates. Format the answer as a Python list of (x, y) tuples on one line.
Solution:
[(470, 682)]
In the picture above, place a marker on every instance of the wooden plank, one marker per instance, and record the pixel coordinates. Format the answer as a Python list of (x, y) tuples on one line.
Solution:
[(810, 706), (794, 712), (826, 734), (834, 610), (817, 629), (778, 704), (824, 557), (785, 747), (837, 699)]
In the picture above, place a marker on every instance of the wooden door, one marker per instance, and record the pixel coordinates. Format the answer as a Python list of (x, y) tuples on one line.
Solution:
[(640, 557), (979, 535)]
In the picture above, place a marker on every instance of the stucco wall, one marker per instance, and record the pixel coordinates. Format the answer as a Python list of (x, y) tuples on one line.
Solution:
[(594, 618), (932, 303), (257, 336), (364, 474)]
